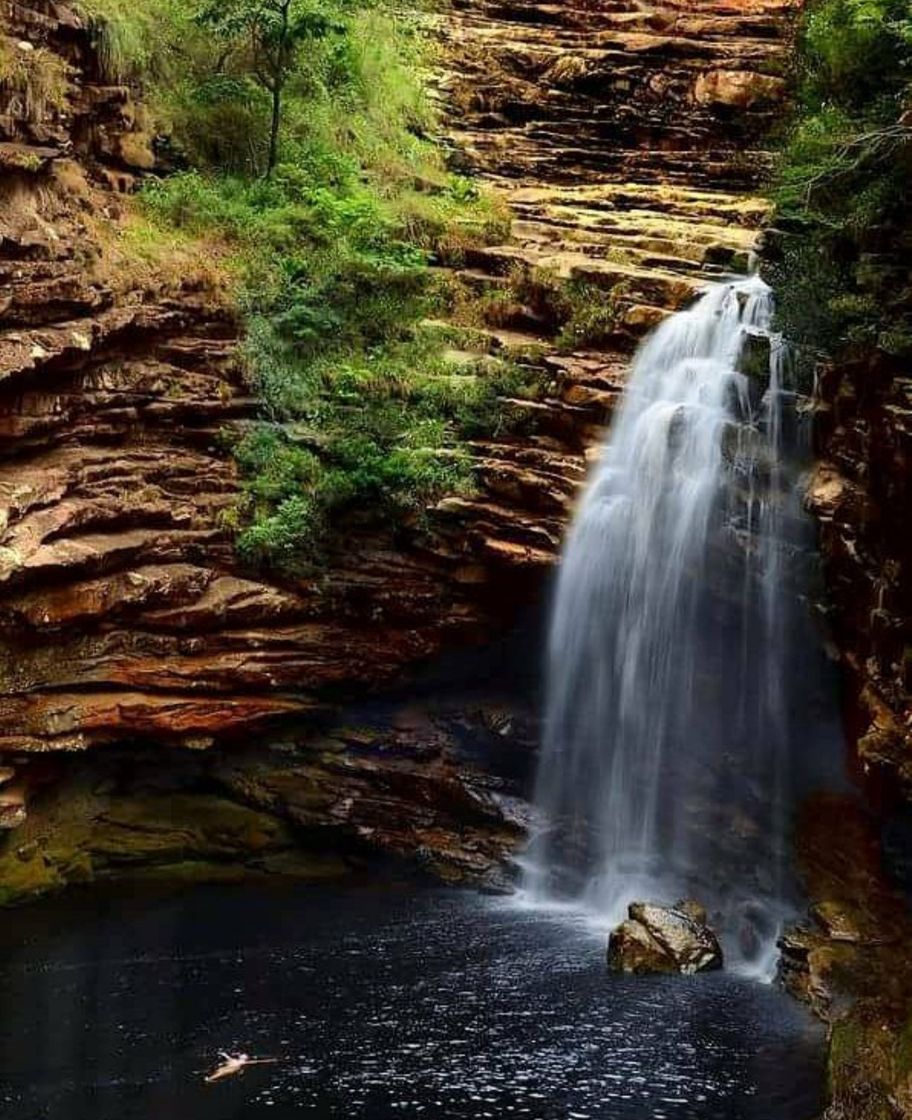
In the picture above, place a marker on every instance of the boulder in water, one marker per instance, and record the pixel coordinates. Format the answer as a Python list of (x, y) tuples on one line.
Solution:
[(664, 939)]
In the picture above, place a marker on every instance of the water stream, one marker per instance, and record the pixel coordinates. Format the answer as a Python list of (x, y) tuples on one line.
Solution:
[(678, 629)]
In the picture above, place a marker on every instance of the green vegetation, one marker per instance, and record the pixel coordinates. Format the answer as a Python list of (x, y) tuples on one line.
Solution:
[(577, 312), (589, 315), (138, 41), (300, 127), (269, 35), (38, 78), (844, 189)]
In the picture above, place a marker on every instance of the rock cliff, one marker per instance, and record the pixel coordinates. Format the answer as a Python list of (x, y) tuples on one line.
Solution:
[(861, 494), (624, 137)]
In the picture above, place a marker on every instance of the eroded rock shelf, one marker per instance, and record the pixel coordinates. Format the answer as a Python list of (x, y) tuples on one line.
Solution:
[(627, 141)]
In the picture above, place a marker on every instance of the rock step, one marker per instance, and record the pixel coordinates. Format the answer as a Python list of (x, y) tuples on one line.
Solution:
[(634, 232), (631, 247), (676, 203), (641, 284), (578, 24), (514, 344), (519, 157), (695, 139), (764, 21)]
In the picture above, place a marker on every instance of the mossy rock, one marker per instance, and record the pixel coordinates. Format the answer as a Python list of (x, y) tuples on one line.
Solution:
[(76, 837), (24, 879), (184, 826), (755, 358)]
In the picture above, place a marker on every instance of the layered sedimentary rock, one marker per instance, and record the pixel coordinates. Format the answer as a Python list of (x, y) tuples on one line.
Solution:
[(861, 493), (122, 608), (369, 790), (627, 141), (624, 138)]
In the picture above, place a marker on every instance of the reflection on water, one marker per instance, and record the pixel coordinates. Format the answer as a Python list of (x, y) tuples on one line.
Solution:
[(380, 1005)]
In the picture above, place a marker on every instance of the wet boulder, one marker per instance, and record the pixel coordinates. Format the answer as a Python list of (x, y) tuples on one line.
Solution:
[(658, 938), (756, 357)]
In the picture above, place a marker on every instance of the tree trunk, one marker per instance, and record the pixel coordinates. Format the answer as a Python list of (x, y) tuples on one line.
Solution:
[(274, 128), (278, 84)]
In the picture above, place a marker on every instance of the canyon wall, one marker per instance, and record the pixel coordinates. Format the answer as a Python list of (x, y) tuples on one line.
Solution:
[(626, 140), (861, 494)]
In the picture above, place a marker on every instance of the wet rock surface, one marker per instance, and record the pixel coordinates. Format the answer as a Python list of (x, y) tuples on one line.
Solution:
[(371, 789), (661, 939), (850, 962)]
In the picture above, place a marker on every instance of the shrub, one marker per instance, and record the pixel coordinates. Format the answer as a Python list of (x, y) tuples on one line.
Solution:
[(363, 416), (589, 314), (843, 192)]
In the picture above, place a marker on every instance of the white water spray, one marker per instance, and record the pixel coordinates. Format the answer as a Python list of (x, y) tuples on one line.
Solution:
[(665, 764)]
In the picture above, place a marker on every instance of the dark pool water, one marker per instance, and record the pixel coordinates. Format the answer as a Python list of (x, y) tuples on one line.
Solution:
[(380, 1004)]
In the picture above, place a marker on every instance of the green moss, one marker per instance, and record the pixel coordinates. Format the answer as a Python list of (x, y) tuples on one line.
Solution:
[(311, 867), (863, 1067), (24, 879), (904, 1049), (845, 1039), (178, 827)]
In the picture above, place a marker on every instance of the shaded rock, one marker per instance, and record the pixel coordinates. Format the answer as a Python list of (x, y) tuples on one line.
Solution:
[(12, 805), (658, 938), (837, 922), (852, 966), (755, 357), (400, 791), (861, 494)]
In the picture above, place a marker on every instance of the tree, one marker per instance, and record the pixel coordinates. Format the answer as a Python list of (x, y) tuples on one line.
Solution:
[(269, 33)]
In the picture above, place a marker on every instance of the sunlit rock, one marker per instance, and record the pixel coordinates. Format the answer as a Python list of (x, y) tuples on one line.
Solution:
[(664, 939), (741, 89)]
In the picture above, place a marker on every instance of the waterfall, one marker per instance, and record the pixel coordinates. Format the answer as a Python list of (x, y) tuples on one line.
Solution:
[(666, 762)]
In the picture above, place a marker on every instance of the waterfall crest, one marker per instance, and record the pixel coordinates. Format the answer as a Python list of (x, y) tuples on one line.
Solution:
[(665, 763)]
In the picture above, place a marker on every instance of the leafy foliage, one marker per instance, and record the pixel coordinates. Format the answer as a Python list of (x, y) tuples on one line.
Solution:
[(844, 183), (331, 211), (268, 34)]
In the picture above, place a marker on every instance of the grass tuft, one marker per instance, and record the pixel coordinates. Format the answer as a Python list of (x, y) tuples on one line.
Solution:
[(36, 81)]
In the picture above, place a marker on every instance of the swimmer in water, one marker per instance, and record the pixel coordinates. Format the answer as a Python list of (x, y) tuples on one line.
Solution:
[(235, 1064)]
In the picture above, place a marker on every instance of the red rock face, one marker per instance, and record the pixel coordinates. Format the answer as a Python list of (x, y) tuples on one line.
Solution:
[(625, 140), (123, 611), (861, 494)]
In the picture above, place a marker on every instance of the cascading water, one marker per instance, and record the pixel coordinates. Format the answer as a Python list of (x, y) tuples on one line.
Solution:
[(666, 764)]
